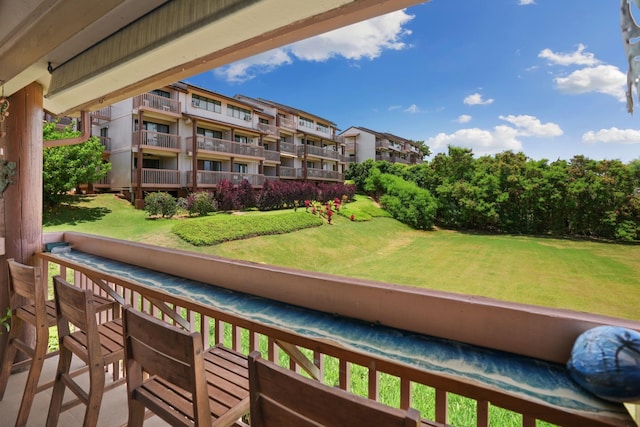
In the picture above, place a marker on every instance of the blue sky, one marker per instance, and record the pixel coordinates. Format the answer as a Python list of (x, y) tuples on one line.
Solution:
[(545, 77)]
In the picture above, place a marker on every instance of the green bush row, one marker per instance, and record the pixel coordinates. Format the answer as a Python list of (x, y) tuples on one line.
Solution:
[(221, 228)]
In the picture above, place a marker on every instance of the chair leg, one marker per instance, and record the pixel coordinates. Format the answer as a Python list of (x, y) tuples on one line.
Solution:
[(64, 365), (9, 354), (30, 389), (136, 413), (96, 390)]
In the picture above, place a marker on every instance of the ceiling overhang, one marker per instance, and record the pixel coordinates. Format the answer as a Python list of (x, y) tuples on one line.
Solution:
[(146, 44)]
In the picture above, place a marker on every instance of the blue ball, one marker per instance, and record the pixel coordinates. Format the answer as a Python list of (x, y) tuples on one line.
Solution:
[(606, 361)]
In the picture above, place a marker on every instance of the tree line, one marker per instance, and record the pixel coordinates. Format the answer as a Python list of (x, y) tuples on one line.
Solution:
[(509, 192)]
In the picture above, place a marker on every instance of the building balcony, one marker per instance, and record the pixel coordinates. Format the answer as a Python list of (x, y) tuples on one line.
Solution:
[(106, 143), (209, 179), (104, 183), (287, 123), (157, 178), (318, 152), (288, 148), (290, 173), (494, 354), (103, 114), (156, 141), (158, 104), (228, 148), (324, 175), (270, 130), (272, 156)]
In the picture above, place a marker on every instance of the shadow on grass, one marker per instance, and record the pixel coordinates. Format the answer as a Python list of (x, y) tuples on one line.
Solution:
[(68, 212)]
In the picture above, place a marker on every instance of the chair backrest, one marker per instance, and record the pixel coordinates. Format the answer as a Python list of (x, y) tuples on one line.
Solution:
[(159, 349), (25, 281), (76, 306), (280, 397)]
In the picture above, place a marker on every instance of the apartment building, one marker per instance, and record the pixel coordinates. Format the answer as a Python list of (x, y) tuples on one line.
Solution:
[(182, 138), (362, 144)]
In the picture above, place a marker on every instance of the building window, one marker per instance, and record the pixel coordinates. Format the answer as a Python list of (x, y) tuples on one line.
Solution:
[(104, 131), (322, 128), (311, 165), (208, 104), (238, 113), (263, 121), (304, 122), (211, 165), (162, 93), (242, 139), (209, 133), (153, 127), (240, 168)]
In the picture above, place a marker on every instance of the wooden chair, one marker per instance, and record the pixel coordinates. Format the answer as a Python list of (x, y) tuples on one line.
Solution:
[(97, 345), (29, 306), (280, 397), (169, 373)]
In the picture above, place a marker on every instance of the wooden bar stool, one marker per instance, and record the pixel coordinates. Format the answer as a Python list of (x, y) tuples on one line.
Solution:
[(97, 345), (29, 306), (169, 373)]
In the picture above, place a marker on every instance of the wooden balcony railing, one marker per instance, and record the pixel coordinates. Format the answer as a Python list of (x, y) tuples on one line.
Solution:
[(150, 101), (272, 156), (495, 354), (225, 146), (314, 151), (288, 172), (270, 130), (157, 140), (157, 177), (212, 178), (288, 147), (313, 173), (106, 142), (287, 123), (102, 114)]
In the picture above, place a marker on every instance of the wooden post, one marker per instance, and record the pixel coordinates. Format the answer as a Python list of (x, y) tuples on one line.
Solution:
[(21, 219)]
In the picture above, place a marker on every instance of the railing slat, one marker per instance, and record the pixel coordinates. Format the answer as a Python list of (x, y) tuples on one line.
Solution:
[(441, 406), (482, 413)]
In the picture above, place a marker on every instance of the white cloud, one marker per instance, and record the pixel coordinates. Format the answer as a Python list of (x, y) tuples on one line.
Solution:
[(463, 118), (500, 139), (579, 57), (612, 136), (394, 107), (247, 69), (481, 141), (413, 108), (476, 99), (607, 79), (531, 126), (367, 39), (526, 2)]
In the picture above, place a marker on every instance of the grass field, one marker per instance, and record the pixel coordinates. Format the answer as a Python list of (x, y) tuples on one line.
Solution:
[(588, 276)]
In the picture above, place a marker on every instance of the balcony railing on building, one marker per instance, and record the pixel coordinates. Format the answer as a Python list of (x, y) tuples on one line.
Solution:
[(149, 101), (103, 114), (160, 140), (315, 173), (162, 178), (272, 156), (213, 178), (289, 172), (312, 150), (270, 130), (218, 145), (103, 183), (105, 141), (288, 147), (287, 122)]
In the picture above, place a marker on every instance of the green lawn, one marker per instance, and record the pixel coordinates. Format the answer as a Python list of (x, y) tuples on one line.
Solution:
[(587, 276)]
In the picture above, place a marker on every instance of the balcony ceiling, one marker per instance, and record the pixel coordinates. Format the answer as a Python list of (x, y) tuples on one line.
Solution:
[(87, 54)]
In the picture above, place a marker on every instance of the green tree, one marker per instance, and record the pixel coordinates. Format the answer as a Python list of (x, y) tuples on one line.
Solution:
[(68, 166)]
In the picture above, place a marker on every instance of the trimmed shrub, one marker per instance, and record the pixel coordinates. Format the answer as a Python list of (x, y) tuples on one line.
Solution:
[(200, 203), (245, 195), (226, 196), (160, 203), (407, 202)]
